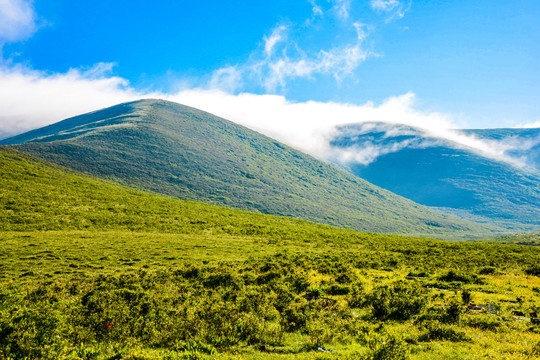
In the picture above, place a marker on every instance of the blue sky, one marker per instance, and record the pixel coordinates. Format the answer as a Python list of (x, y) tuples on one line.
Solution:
[(473, 63)]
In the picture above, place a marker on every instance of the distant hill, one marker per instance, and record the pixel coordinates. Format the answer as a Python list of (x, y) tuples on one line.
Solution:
[(190, 154), (443, 174)]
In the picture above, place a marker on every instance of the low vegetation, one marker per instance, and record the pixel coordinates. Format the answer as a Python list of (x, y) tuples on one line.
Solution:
[(93, 270)]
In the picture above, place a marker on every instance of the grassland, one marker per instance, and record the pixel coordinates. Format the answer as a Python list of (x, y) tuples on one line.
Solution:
[(93, 270)]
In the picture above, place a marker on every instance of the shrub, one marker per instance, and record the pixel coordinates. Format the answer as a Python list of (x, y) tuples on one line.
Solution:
[(488, 270), (399, 301), (385, 347), (536, 349), (450, 313), (336, 289), (455, 276), (483, 321), (466, 296), (438, 331), (421, 273), (533, 270)]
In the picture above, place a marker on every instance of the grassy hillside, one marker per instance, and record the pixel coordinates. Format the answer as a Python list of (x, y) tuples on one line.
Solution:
[(186, 153), (93, 270), (439, 173)]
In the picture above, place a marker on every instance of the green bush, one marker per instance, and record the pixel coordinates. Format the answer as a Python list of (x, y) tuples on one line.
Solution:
[(536, 349), (487, 270), (458, 276), (399, 301), (533, 270), (438, 331), (466, 297), (385, 347), (449, 313), (483, 321), (336, 289)]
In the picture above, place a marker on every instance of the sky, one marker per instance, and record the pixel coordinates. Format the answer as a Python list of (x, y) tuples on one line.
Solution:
[(293, 70)]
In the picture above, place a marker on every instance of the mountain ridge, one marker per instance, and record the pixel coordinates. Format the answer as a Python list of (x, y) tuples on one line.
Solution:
[(187, 153)]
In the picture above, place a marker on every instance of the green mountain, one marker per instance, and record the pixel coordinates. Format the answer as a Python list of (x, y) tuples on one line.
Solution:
[(189, 154), (38, 196), (439, 173)]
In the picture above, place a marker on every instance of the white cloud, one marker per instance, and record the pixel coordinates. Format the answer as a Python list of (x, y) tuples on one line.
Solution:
[(338, 62), (385, 5), (17, 20), (395, 8), (271, 41), (342, 8), (228, 78), (530, 125), (282, 59), (316, 10), (310, 126), (31, 99)]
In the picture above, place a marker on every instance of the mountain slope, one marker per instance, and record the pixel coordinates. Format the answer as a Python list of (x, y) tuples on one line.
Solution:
[(439, 173), (39, 196), (187, 153)]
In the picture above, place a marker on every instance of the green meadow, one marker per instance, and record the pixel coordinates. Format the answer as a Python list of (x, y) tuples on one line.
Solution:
[(93, 270)]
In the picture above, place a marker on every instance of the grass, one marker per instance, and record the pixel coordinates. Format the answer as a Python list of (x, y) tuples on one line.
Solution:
[(243, 280), (93, 270)]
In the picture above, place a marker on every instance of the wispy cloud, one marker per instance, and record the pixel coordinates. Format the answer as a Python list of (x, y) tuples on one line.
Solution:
[(284, 58), (385, 5), (17, 20), (316, 10), (228, 78), (275, 37), (394, 8), (342, 8)]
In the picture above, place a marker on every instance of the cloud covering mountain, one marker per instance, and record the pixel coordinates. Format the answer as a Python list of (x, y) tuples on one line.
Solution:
[(439, 172), (309, 126)]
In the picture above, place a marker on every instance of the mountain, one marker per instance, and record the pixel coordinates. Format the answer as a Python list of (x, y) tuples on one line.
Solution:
[(186, 153), (443, 174)]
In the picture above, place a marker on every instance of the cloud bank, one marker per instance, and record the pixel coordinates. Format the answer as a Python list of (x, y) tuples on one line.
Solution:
[(31, 99)]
